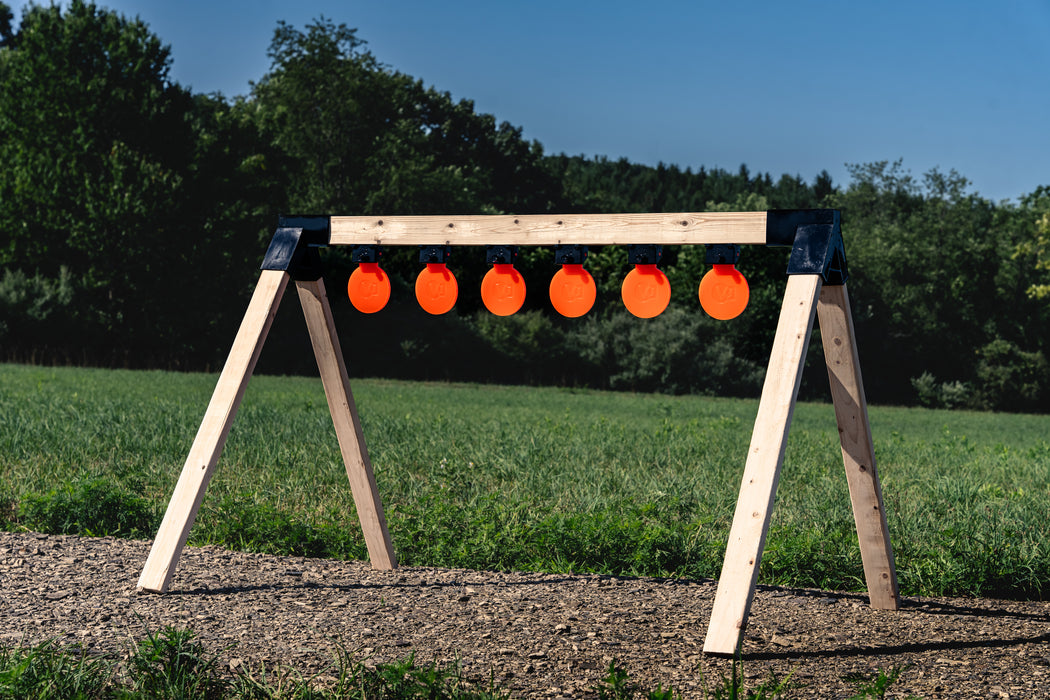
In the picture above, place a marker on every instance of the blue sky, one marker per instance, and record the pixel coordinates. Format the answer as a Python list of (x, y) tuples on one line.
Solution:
[(785, 87)]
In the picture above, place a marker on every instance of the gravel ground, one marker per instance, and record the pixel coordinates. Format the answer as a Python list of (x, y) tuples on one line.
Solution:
[(540, 635)]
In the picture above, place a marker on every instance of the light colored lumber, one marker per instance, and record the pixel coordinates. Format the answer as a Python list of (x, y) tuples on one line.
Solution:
[(336, 383), (765, 456), (743, 228), (211, 437), (858, 451)]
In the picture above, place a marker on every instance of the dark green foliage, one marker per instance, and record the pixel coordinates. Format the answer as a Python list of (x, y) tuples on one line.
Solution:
[(173, 664), (121, 190), (250, 525), (1011, 378), (95, 507), (677, 352), (37, 308), (6, 30), (50, 671), (940, 292)]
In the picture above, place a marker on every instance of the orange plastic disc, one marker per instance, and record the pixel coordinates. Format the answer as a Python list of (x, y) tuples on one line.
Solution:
[(573, 290), (436, 289), (646, 291), (503, 289), (724, 292), (368, 288)]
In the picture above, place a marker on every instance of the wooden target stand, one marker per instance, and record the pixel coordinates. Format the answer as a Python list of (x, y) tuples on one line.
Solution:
[(815, 290)]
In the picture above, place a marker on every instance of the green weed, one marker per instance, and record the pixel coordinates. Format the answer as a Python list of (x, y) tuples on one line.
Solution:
[(49, 671), (95, 507), (173, 664), (617, 685), (734, 687), (875, 686)]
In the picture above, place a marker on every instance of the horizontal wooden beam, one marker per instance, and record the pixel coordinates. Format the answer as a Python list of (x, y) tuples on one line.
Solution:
[(742, 228)]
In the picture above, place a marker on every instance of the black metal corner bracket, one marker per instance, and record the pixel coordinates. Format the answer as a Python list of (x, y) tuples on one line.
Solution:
[(294, 245), (815, 237)]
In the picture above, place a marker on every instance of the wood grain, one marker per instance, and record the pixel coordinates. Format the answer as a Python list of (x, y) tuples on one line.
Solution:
[(858, 451), (743, 228), (765, 456), (211, 436), (348, 431)]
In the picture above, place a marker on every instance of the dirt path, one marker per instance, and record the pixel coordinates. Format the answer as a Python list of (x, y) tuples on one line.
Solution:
[(541, 635)]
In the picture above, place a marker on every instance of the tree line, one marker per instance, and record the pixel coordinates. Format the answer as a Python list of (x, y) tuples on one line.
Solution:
[(134, 214)]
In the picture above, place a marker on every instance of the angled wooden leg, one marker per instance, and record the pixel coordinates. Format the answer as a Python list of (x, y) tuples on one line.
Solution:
[(211, 437), (858, 452), (347, 424), (765, 456)]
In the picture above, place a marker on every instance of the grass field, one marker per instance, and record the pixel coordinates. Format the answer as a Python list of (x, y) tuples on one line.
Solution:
[(547, 479)]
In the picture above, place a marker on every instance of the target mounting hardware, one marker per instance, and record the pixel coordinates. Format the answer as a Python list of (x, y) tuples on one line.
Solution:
[(815, 293)]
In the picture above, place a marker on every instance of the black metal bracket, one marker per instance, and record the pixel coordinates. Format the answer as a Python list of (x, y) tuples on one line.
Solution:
[(501, 254), (819, 250), (722, 254), (815, 237), (369, 253), (569, 254), (644, 253), (294, 246), (434, 253)]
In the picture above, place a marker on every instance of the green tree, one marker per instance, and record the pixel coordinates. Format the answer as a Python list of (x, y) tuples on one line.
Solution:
[(939, 296), (108, 171), (1034, 247), (357, 137), (6, 28)]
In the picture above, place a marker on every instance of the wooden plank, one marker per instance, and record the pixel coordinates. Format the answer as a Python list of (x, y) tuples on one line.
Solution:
[(747, 535), (858, 450), (211, 437), (744, 228), (336, 383)]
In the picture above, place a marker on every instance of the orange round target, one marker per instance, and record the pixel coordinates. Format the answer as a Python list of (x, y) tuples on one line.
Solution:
[(646, 291), (503, 289), (724, 292), (368, 288), (573, 290), (436, 289)]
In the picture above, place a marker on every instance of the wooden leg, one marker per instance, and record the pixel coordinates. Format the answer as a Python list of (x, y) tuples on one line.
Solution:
[(858, 452), (347, 424), (211, 437), (747, 536)]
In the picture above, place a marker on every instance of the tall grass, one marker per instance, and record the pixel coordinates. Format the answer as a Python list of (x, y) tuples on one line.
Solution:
[(523, 478), (174, 664)]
